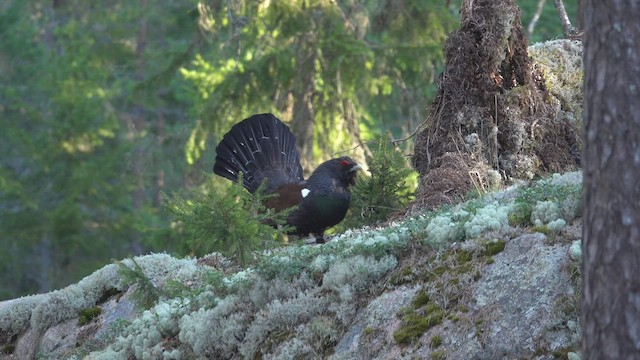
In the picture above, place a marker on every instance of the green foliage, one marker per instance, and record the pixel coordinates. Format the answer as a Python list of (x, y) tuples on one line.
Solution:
[(104, 106), (68, 71), (415, 323), (544, 190), (344, 62), (146, 293), (86, 315), (374, 199), (493, 248), (436, 341), (548, 26), (422, 315), (420, 299), (232, 222), (8, 349), (213, 280)]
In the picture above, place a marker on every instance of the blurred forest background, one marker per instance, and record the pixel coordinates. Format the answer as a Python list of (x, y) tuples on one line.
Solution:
[(106, 106)]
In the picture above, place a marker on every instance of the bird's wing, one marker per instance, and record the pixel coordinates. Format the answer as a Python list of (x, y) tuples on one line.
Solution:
[(288, 195)]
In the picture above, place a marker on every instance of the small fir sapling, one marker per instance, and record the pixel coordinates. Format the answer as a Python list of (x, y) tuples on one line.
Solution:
[(374, 199), (232, 222)]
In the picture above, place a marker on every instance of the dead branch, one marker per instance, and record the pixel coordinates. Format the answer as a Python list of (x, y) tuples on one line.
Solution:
[(536, 17), (569, 30)]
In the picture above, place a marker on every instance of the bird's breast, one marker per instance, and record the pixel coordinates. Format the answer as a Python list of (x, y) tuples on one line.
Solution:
[(329, 208)]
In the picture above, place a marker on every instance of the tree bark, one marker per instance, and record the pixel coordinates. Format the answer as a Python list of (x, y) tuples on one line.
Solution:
[(611, 230), (303, 121), (569, 30), (160, 137), (580, 14), (490, 113), (45, 264), (536, 17), (139, 125)]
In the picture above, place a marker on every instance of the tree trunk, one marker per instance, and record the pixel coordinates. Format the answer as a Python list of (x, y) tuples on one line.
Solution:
[(490, 114), (45, 264), (580, 14), (303, 116), (161, 135), (139, 124), (611, 230)]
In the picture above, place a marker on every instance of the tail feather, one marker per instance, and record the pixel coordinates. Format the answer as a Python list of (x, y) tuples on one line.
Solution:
[(261, 147)]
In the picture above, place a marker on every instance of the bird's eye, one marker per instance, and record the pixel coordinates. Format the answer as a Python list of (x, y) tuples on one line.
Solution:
[(344, 163)]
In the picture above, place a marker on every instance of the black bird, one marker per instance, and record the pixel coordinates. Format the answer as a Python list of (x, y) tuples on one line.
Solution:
[(263, 148)]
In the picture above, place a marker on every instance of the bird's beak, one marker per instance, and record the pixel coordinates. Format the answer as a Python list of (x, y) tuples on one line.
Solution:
[(352, 173)]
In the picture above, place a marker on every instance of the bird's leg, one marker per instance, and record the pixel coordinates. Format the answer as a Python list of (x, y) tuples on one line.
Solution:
[(315, 239)]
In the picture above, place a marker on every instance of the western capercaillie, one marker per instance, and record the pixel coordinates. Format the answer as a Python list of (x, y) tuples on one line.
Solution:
[(263, 148)]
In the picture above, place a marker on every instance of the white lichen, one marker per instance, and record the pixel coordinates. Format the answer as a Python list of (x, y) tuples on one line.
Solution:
[(442, 230), (560, 61), (573, 356), (544, 212), (492, 217), (575, 251), (296, 299), (556, 225)]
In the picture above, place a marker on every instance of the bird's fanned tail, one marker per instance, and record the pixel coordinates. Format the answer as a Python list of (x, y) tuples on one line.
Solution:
[(261, 147)]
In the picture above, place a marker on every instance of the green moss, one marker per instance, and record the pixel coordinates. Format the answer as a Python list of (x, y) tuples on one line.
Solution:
[(520, 215), (436, 341), (574, 272), (431, 308), (435, 273), (86, 315), (368, 330), (8, 349), (561, 353), (416, 325), (404, 276), (415, 322), (108, 294), (406, 334), (440, 270), (477, 275), (420, 299), (404, 312), (407, 271), (438, 355), (543, 229), (464, 256), (493, 248), (464, 268)]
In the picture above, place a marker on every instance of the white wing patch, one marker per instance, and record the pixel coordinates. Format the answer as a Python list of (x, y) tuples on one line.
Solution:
[(305, 192)]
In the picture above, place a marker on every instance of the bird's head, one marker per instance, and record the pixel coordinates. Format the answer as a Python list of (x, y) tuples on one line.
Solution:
[(343, 169)]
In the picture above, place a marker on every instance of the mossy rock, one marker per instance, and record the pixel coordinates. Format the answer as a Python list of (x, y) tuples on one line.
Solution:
[(87, 315)]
